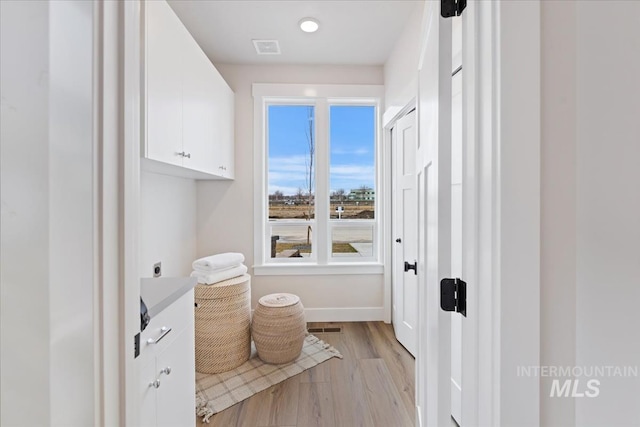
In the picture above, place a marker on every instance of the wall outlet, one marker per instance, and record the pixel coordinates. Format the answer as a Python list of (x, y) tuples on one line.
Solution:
[(157, 269)]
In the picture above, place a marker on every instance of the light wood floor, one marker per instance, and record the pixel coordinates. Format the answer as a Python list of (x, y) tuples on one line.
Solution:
[(372, 386)]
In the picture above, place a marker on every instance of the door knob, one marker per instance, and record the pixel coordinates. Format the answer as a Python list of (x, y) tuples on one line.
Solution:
[(398, 240)]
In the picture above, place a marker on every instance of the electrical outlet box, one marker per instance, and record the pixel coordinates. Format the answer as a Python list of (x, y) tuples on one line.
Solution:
[(157, 269)]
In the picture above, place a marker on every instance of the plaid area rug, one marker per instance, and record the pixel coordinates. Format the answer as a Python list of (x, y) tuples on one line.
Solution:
[(215, 392)]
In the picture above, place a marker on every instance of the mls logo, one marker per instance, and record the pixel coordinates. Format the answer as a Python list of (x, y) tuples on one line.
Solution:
[(592, 388)]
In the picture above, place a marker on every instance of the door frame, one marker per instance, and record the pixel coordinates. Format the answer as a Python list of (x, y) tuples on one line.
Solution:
[(501, 241), (117, 134), (387, 186), (501, 181)]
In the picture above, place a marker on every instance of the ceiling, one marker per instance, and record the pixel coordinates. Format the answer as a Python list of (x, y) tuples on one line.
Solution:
[(352, 32)]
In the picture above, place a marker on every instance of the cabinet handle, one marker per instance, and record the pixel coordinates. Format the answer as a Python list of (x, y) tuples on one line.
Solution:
[(187, 155), (166, 370), (164, 331), (155, 384), (224, 168), (184, 154)]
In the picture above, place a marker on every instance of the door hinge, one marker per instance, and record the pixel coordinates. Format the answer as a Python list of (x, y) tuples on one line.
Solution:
[(136, 345), (413, 267), (453, 295), (449, 8)]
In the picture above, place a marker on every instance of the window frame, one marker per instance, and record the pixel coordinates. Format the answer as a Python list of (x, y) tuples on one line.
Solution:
[(321, 97)]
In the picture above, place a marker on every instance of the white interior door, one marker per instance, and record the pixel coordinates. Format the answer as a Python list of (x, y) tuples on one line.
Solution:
[(433, 362), (405, 227), (456, 242)]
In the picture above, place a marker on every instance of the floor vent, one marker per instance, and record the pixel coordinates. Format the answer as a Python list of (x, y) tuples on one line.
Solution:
[(332, 329)]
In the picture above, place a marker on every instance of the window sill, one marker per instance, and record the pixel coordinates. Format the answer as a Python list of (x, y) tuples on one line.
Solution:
[(308, 269)]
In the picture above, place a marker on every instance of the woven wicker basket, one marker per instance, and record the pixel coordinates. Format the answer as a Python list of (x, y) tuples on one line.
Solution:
[(222, 325), (279, 328)]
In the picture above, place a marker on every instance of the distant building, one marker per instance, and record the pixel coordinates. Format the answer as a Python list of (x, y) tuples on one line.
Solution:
[(366, 194)]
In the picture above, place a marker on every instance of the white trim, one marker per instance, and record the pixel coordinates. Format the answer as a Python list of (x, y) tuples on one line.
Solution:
[(129, 174), (312, 269), (322, 187), (282, 90), (111, 405), (433, 361), (105, 392), (470, 233), (501, 181), (342, 314)]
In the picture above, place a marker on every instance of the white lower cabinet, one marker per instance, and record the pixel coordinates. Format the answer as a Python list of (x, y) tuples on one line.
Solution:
[(167, 373)]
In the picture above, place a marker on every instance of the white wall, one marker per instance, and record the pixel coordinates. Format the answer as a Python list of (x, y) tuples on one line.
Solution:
[(518, 217), (225, 209), (608, 204), (24, 253), (167, 224), (401, 69), (47, 296), (590, 261), (558, 204)]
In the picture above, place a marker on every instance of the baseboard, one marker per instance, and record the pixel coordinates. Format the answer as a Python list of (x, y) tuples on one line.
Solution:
[(344, 314)]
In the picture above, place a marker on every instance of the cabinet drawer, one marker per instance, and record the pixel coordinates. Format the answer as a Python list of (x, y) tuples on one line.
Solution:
[(165, 326)]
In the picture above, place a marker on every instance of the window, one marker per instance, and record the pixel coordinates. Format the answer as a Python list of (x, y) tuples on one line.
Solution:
[(316, 160)]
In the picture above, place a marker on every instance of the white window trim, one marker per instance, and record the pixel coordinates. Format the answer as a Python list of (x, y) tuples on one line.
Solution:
[(321, 96)]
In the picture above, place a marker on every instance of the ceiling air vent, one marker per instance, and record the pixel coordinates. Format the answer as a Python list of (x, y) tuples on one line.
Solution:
[(267, 47)]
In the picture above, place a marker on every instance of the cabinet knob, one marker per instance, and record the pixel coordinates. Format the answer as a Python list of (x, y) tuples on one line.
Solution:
[(184, 154), (155, 384), (187, 155), (166, 370)]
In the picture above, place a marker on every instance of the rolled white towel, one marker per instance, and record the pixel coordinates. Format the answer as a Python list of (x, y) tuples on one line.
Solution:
[(207, 270), (219, 276), (218, 262)]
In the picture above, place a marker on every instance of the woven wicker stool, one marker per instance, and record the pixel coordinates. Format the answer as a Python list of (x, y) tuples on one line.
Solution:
[(222, 325), (279, 328)]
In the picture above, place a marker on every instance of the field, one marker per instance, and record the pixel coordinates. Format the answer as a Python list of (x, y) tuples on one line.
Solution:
[(362, 210)]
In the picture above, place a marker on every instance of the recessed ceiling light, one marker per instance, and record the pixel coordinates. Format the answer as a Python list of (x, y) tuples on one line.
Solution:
[(309, 25)]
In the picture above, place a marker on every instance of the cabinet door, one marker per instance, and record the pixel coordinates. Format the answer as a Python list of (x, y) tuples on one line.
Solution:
[(176, 395), (223, 126), (148, 394), (197, 107), (164, 81)]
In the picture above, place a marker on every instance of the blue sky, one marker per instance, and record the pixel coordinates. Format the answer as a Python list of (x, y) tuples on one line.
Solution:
[(352, 153)]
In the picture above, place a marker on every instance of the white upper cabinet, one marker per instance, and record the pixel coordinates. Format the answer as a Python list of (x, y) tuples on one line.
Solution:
[(224, 125), (198, 109), (164, 87), (189, 107)]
